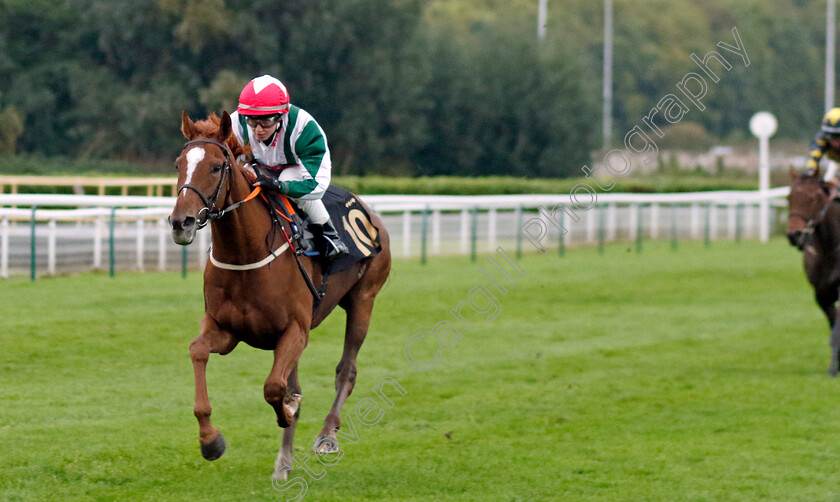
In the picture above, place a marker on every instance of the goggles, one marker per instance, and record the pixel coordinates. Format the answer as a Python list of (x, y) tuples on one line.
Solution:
[(266, 121)]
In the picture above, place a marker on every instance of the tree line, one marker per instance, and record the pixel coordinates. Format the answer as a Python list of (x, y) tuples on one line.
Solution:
[(403, 87)]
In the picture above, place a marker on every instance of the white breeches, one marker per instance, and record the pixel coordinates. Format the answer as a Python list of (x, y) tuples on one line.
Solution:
[(315, 209)]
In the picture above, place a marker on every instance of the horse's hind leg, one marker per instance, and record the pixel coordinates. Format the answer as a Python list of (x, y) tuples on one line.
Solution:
[(358, 321), (211, 340), (283, 464), (834, 341)]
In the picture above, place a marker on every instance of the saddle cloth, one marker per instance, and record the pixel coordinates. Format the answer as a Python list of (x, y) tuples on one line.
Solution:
[(353, 224)]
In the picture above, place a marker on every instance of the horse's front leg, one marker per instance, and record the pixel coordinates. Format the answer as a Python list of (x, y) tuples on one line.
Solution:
[(282, 392), (827, 303), (827, 293), (278, 393), (826, 299), (283, 464), (214, 340)]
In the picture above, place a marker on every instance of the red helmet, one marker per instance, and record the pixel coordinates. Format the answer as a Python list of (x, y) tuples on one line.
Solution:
[(263, 96)]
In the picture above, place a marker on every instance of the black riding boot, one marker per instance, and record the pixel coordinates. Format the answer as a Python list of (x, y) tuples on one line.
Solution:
[(329, 242)]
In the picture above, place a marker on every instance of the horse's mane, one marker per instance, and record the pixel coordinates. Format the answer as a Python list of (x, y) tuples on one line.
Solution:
[(211, 125)]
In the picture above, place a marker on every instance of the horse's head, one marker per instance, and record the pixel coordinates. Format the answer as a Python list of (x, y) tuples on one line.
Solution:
[(807, 198), (203, 168)]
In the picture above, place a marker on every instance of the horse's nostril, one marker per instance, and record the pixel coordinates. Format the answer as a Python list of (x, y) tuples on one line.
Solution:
[(185, 224), (793, 237)]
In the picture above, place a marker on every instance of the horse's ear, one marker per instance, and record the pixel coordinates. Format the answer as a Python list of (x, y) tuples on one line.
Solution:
[(817, 172), (224, 127), (792, 174), (188, 126)]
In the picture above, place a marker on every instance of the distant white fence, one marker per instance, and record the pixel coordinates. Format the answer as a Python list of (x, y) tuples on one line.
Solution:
[(52, 234), (82, 184)]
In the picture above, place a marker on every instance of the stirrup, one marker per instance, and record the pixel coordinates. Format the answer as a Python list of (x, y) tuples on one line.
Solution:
[(334, 248), (327, 241)]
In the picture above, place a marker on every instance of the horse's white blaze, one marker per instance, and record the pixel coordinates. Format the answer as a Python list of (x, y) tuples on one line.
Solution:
[(194, 156)]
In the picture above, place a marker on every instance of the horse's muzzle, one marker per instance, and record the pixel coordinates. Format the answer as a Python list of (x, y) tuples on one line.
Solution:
[(183, 230)]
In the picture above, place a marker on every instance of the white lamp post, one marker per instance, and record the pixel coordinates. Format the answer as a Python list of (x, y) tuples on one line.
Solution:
[(763, 125), (542, 17), (607, 91), (829, 54)]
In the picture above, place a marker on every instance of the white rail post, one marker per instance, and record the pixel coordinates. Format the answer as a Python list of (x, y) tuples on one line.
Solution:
[(465, 231), (713, 223), (695, 220), (547, 225), (591, 223), (612, 218), (98, 230), (491, 229), (568, 224), (733, 220), (51, 247), (141, 241), (436, 232), (749, 225), (654, 221), (633, 223), (4, 248), (162, 245), (406, 233)]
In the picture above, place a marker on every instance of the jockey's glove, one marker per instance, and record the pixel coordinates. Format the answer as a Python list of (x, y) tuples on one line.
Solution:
[(271, 183)]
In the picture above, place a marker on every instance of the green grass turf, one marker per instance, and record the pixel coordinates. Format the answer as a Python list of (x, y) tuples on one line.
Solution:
[(696, 374)]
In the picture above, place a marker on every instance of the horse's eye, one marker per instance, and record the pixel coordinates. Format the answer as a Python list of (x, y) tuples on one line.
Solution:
[(175, 166), (216, 168)]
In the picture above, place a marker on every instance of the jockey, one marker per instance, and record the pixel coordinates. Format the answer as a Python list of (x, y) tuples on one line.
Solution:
[(826, 142), (292, 150)]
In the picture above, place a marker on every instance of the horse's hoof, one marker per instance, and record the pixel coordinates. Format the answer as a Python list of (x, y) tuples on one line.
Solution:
[(325, 444), (282, 475), (291, 408), (214, 449)]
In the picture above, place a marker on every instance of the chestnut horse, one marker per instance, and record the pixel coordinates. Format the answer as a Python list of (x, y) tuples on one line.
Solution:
[(814, 228), (266, 303)]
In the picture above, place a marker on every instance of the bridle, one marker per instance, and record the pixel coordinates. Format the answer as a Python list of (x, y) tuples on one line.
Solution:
[(812, 222), (207, 212)]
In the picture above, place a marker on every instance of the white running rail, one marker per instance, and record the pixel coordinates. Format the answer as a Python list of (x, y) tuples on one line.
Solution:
[(74, 233)]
